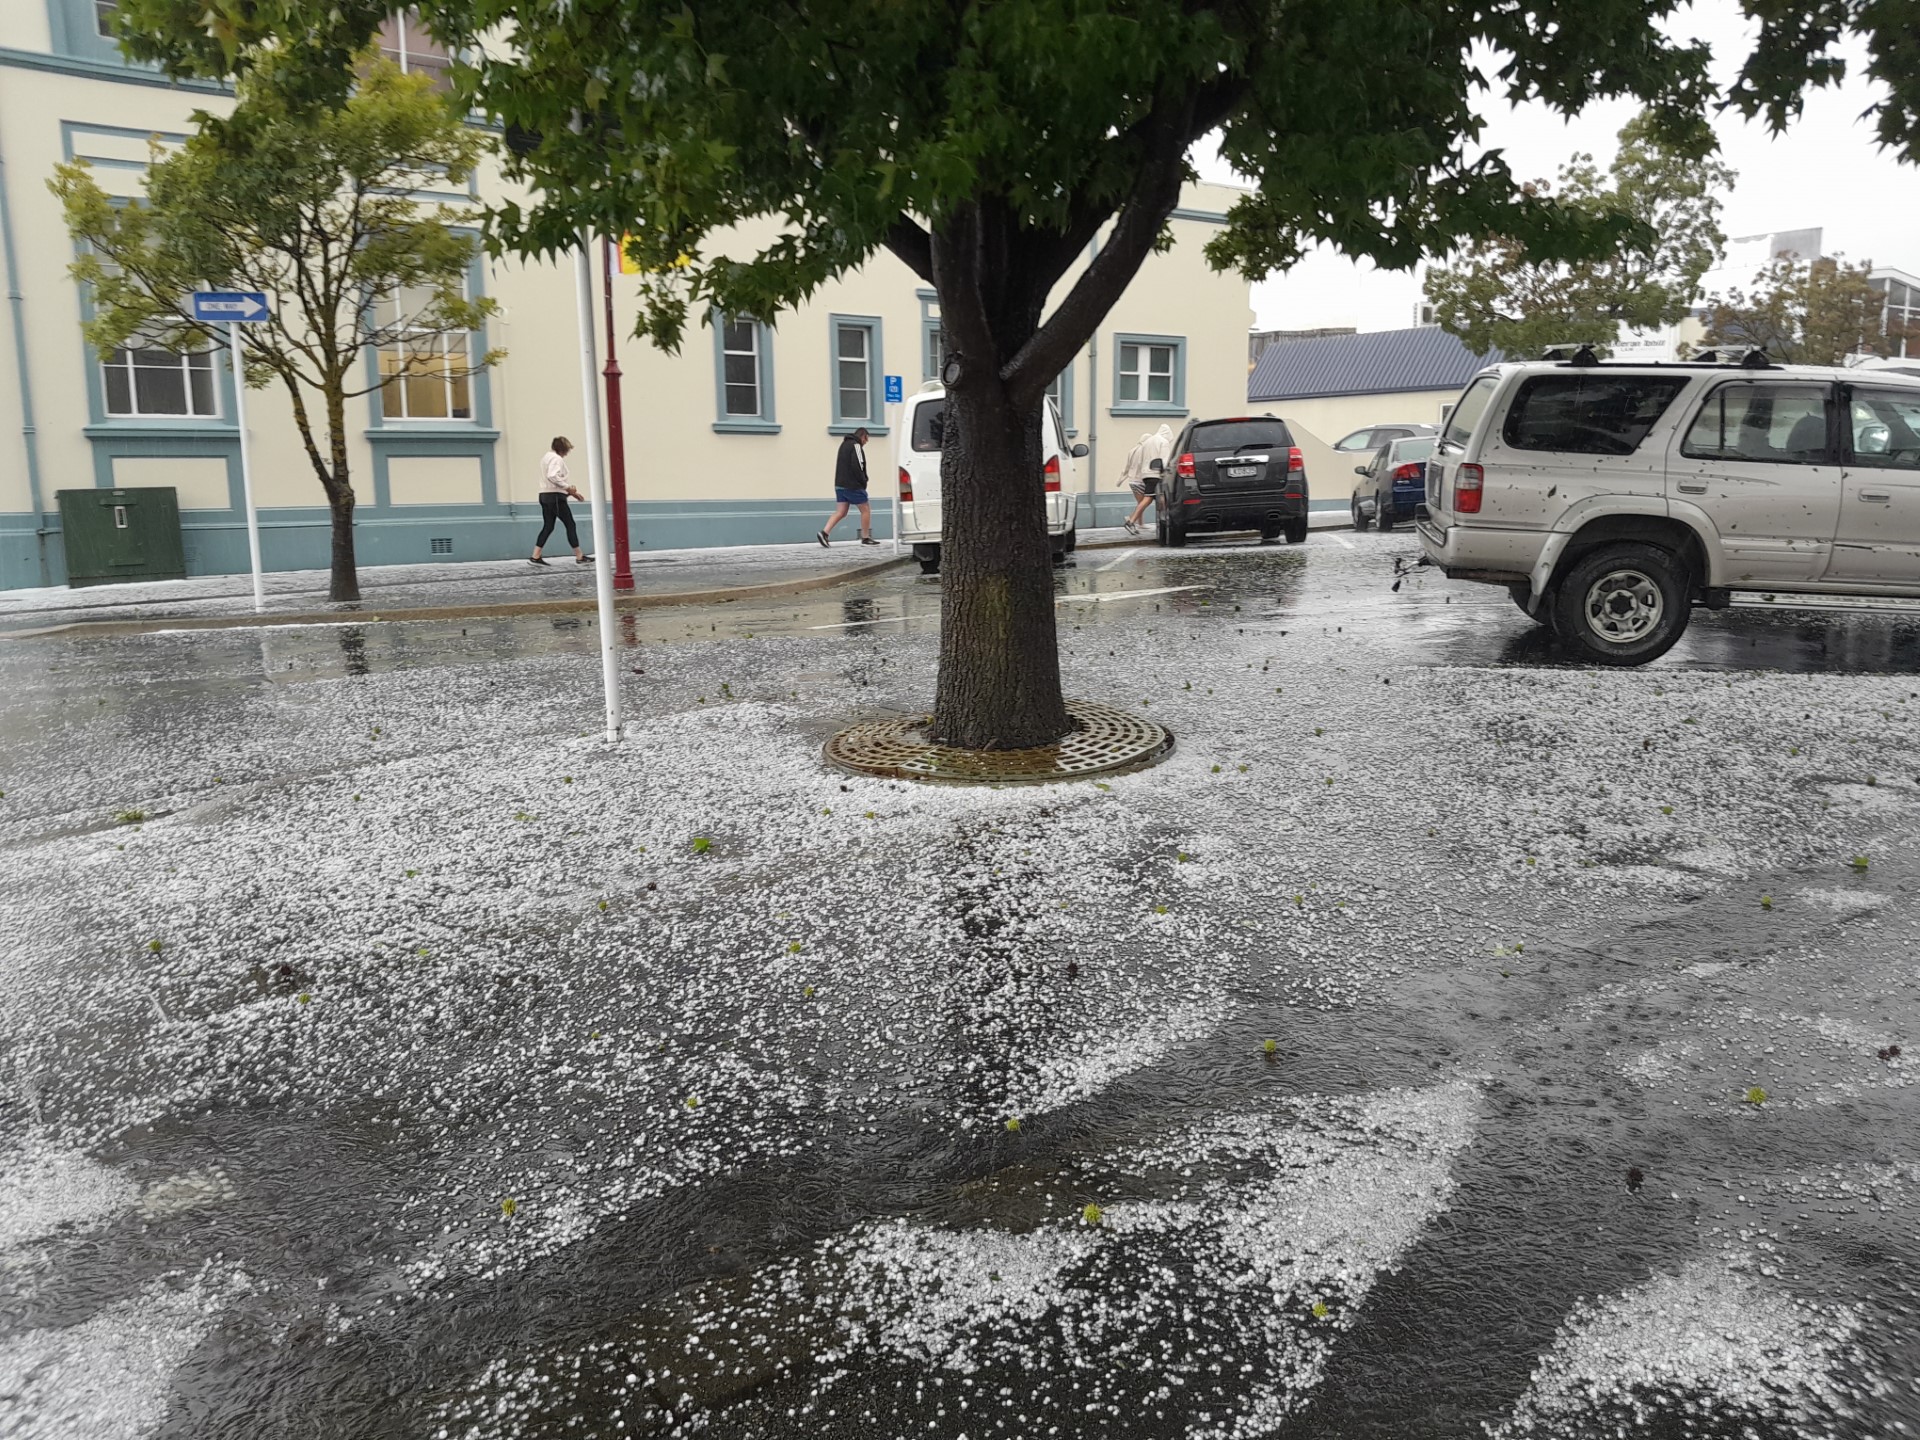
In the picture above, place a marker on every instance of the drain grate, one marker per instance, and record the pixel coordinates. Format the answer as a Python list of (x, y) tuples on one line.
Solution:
[(1105, 739)]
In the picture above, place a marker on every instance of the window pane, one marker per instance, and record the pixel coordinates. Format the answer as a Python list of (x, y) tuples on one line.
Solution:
[(458, 398), (159, 383), (200, 380), (1129, 359), (1769, 423), (853, 404), (742, 370), (1129, 386), (738, 335), (426, 385), (1160, 359), (119, 385), (743, 399), (929, 426), (1160, 387), (1466, 414), (1589, 414), (103, 16), (1886, 429), (853, 374), (853, 342)]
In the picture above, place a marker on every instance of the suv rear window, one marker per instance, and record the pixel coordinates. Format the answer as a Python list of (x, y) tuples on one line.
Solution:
[(930, 425), (1588, 414), (1238, 434), (1466, 414)]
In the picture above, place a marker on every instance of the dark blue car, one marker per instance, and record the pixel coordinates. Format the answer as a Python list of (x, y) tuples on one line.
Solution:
[(1391, 483)]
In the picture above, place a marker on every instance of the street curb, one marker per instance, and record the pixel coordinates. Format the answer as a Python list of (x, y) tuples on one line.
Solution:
[(766, 590)]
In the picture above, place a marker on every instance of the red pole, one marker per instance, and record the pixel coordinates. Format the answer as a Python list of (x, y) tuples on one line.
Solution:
[(616, 440)]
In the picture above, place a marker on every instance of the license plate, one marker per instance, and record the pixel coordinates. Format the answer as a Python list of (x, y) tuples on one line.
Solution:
[(1242, 472)]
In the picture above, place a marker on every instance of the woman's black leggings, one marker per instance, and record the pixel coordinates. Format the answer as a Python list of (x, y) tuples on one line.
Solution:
[(554, 507)]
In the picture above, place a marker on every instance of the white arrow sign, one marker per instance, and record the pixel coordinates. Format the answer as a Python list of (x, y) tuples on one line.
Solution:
[(230, 305)]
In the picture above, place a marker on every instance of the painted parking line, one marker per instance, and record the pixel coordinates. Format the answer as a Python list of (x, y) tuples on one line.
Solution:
[(1338, 539), (1122, 558), (877, 620), (1095, 598)]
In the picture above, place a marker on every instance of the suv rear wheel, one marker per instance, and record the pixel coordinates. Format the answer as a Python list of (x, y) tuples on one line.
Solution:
[(1623, 603), (1297, 531)]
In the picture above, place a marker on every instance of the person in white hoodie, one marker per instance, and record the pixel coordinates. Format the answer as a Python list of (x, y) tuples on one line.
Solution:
[(1139, 475)]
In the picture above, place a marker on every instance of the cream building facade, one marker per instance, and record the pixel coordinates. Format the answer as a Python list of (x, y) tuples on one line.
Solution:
[(729, 442)]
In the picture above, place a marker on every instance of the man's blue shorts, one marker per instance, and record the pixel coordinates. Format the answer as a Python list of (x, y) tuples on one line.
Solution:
[(849, 497)]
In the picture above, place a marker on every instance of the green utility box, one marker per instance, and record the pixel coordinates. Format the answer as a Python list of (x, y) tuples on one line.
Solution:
[(117, 535)]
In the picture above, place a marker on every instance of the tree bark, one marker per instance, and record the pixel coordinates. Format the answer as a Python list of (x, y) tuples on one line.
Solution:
[(344, 582)]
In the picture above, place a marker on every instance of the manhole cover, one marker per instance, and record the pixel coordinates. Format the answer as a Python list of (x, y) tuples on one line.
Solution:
[(1104, 739)]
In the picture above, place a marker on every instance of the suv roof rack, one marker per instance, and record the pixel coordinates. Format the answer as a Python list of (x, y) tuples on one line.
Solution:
[(1743, 357), (1581, 353)]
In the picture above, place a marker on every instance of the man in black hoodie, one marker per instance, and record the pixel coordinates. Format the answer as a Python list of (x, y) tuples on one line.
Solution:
[(850, 487)]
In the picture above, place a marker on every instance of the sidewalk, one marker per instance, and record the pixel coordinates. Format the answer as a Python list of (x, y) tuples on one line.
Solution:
[(665, 577)]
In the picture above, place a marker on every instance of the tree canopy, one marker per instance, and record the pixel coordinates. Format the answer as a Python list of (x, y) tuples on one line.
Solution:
[(314, 206), (1803, 312), (1495, 296)]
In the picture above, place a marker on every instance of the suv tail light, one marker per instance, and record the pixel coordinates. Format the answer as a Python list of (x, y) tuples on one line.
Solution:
[(1052, 475), (1295, 460), (1467, 481), (906, 485), (1412, 470), (1183, 467)]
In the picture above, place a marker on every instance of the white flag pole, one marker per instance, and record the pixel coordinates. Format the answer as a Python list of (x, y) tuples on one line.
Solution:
[(246, 462), (601, 528)]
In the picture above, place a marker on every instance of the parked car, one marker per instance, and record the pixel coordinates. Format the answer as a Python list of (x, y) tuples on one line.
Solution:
[(1392, 484), (1611, 499), (1242, 473), (923, 422), (1372, 437)]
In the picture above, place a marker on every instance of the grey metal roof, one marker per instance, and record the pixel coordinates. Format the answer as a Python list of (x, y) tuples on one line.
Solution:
[(1382, 362)]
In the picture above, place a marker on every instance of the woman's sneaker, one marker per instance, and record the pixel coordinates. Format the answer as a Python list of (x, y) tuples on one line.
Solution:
[(1130, 526), (821, 536)]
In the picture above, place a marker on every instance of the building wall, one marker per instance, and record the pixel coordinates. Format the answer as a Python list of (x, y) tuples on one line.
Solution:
[(1329, 417), (430, 489)]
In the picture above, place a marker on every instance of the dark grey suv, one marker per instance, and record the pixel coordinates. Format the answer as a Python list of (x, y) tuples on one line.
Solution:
[(1243, 473)]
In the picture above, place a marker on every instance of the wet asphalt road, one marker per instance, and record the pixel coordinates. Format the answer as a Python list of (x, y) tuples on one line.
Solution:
[(326, 1199)]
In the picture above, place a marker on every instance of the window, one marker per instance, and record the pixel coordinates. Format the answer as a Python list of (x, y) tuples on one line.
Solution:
[(1885, 429), (1060, 392), (158, 382), (405, 41), (1588, 414), (427, 370), (1230, 435), (1358, 440), (1773, 423), (856, 381), (1150, 375), (930, 426), (1468, 410), (743, 375), (936, 348), (103, 11)]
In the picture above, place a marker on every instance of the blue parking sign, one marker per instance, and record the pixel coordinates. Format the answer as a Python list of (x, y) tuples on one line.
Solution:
[(896, 392)]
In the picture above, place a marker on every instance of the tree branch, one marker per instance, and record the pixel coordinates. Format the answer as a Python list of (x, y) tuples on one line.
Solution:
[(912, 246)]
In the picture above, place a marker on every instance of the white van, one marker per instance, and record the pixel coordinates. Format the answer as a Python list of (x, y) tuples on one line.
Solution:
[(921, 430)]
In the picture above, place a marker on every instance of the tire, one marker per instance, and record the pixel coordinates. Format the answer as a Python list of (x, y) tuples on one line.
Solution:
[(1296, 531), (1176, 535), (1521, 595), (1383, 515), (1072, 541), (1623, 603), (1360, 521), (929, 567), (1160, 532), (929, 558), (1269, 534)]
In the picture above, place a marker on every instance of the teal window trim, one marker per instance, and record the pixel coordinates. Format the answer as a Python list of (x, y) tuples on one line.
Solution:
[(874, 422), (929, 328), (450, 441), (1065, 400), (766, 422), (1175, 407), (476, 426), (71, 25)]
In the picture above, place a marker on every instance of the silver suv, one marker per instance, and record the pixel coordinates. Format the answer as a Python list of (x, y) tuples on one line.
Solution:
[(1611, 499)]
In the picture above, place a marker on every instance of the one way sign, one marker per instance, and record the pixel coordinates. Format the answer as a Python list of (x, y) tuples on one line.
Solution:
[(225, 305)]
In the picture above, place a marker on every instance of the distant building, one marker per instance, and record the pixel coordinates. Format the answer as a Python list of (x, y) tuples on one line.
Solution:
[(1259, 341), (1335, 384), (1900, 320)]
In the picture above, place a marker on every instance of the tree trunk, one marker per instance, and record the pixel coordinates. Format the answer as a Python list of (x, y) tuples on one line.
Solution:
[(999, 685), (344, 583)]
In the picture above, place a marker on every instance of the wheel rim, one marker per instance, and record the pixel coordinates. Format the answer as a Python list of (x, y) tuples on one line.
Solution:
[(1624, 606)]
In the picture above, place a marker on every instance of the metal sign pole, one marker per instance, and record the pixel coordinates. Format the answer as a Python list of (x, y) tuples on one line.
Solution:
[(597, 486), (895, 404), (246, 462)]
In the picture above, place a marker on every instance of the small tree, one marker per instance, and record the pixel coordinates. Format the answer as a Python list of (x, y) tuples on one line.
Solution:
[(1802, 312), (1497, 295), (312, 206)]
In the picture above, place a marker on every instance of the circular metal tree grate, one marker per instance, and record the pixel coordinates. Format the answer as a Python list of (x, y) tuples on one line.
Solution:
[(1104, 739)]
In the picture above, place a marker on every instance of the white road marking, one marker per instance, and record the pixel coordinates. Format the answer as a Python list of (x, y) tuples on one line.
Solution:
[(877, 620), (1339, 540), (1096, 597), (1120, 559)]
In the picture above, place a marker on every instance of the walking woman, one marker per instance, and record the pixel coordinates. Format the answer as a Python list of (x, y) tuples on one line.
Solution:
[(554, 491)]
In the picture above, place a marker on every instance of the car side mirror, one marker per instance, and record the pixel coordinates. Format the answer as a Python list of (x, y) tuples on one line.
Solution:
[(1361, 470), (1079, 452), (1158, 467)]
